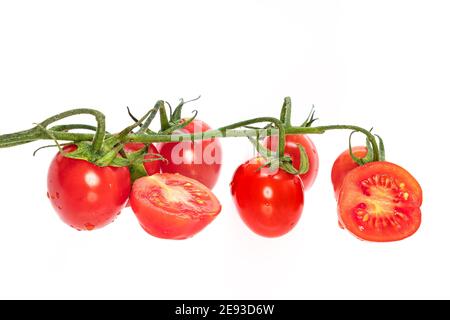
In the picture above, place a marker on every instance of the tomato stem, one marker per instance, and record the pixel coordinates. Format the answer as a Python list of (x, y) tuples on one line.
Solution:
[(286, 111), (224, 132), (99, 137), (281, 132), (277, 127), (68, 127)]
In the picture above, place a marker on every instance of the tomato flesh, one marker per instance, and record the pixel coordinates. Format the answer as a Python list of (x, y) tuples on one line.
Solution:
[(291, 149), (171, 206), (380, 202), (86, 196), (269, 203)]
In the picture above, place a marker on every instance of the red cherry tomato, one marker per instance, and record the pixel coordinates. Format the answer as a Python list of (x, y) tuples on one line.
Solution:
[(199, 160), (86, 196), (171, 206), (291, 149), (151, 167), (343, 165), (380, 202), (270, 203)]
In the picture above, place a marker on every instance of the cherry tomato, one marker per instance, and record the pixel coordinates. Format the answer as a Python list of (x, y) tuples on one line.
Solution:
[(86, 196), (151, 167), (171, 206), (269, 202), (343, 165), (380, 202), (291, 149), (199, 160)]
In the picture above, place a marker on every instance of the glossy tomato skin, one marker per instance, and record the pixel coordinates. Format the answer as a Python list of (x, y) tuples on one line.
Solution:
[(151, 167), (343, 165), (86, 196), (199, 160), (291, 149), (380, 202), (270, 203), (167, 218)]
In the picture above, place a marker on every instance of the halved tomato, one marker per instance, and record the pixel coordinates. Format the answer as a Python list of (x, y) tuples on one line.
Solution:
[(172, 206), (380, 202)]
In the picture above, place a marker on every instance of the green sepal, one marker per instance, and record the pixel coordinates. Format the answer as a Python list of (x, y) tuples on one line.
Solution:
[(137, 170), (118, 138), (116, 162), (176, 122), (144, 127), (83, 152), (286, 162), (112, 158), (180, 124), (311, 118), (175, 117), (304, 160), (164, 120), (109, 159), (136, 163)]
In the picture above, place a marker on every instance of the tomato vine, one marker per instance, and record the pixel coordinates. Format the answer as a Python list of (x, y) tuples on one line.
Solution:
[(103, 148)]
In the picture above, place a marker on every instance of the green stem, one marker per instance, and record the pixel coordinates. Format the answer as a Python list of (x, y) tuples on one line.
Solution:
[(99, 137), (22, 137), (275, 121), (26, 136), (148, 122), (286, 111), (68, 127), (367, 133)]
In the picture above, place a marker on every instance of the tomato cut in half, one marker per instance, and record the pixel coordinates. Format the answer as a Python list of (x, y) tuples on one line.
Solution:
[(380, 202), (172, 206)]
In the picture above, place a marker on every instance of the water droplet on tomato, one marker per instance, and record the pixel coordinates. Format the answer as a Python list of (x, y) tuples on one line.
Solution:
[(57, 195), (267, 204), (59, 207), (89, 226)]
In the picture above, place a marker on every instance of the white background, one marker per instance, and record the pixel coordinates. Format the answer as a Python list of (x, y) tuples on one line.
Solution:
[(374, 63)]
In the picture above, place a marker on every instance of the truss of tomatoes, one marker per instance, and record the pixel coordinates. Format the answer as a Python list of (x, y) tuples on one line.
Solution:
[(172, 199)]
